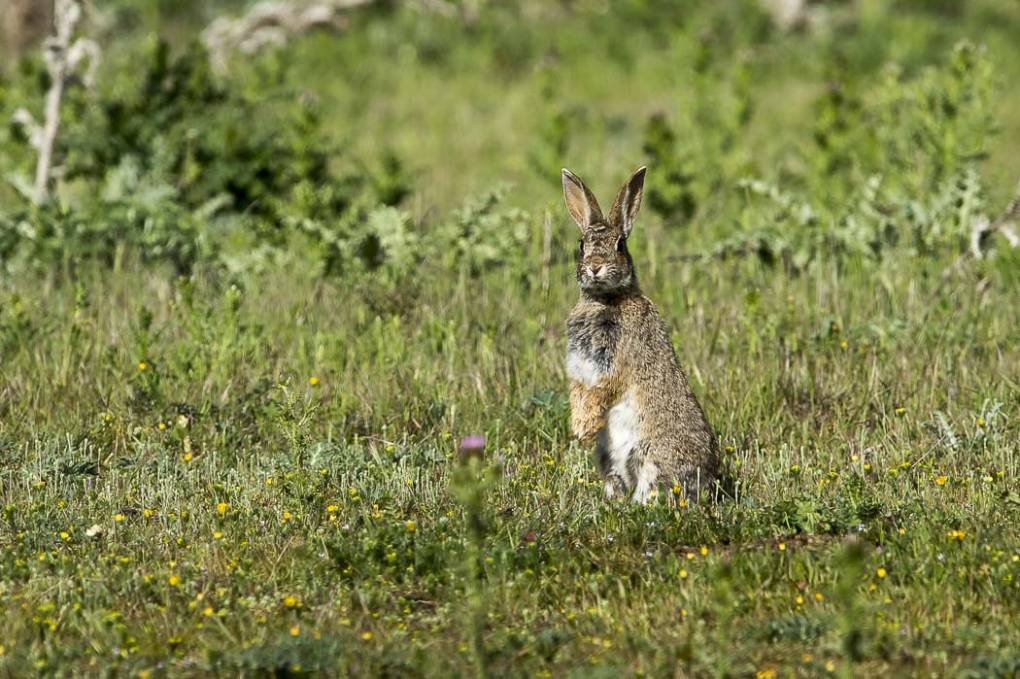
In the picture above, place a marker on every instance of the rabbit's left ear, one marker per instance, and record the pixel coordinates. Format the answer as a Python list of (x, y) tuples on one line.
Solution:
[(628, 202)]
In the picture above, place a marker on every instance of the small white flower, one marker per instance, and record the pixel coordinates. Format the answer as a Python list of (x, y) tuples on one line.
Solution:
[(95, 530)]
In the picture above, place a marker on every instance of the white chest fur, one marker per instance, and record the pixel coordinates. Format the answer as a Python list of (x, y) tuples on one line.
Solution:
[(620, 435), (582, 369)]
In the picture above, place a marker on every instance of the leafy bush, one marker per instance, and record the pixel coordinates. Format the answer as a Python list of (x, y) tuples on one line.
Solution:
[(891, 166), (170, 161)]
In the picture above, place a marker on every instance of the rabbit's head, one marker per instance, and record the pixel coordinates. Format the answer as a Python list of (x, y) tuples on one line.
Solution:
[(604, 265)]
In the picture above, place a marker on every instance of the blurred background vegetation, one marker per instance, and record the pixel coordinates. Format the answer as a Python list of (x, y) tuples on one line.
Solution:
[(837, 126), (265, 292)]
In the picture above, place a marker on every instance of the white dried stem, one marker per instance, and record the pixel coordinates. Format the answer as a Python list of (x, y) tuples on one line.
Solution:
[(786, 14), (982, 228), (84, 49), (26, 121), (273, 23), (63, 57)]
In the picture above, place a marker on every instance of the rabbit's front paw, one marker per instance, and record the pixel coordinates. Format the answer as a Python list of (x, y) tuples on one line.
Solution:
[(614, 486), (587, 414)]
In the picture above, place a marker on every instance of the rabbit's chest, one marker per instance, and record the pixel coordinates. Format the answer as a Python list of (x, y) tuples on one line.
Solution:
[(584, 368), (591, 347)]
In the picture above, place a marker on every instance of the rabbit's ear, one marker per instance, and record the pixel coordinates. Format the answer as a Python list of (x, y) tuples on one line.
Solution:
[(581, 203), (628, 202)]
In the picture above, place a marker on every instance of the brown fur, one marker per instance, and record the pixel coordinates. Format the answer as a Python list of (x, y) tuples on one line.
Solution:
[(588, 407), (624, 350)]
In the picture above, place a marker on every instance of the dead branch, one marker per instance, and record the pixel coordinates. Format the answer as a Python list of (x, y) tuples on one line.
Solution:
[(982, 229), (64, 57), (274, 23)]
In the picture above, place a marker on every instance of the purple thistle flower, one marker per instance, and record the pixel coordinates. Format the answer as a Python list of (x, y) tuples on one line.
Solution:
[(472, 446)]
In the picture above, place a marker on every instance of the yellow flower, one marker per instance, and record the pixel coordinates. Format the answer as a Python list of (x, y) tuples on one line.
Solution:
[(765, 674), (222, 507), (881, 572), (843, 344), (217, 535), (900, 410), (208, 611), (332, 509), (782, 546), (119, 518), (287, 516), (683, 574), (366, 636), (174, 580), (187, 457), (830, 666), (703, 550), (64, 535), (313, 381), (295, 631), (980, 421), (161, 426), (799, 600), (411, 526), (143, 366), (148, 513), (957, 535), (290, 601), (818, 597), (941, 480)]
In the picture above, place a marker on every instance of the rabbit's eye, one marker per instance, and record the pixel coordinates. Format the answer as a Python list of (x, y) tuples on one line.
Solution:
[(580, 247), (620, 242)]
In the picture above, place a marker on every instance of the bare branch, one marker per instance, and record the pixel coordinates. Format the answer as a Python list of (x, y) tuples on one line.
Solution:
[(273, 23), (63, 56), (982, 228)]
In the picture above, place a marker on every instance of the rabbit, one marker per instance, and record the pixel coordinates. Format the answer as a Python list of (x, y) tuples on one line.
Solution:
[(627, 390)]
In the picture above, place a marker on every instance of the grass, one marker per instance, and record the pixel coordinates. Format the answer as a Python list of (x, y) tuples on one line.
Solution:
[(257, 472), (216, 511)]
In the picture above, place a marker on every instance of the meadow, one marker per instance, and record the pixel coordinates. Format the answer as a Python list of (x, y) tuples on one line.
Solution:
[(242, 342)]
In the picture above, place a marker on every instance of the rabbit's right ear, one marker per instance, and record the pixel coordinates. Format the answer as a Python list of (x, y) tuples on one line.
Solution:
[(581, 203)]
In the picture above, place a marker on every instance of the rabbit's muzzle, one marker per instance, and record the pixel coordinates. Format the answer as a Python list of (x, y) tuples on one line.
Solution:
[(596, 277)]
